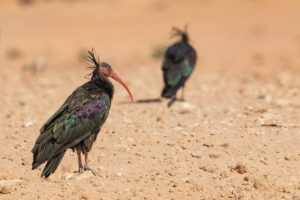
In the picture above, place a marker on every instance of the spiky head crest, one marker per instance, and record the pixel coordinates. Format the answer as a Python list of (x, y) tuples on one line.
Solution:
[(183, 33), (96, 66)]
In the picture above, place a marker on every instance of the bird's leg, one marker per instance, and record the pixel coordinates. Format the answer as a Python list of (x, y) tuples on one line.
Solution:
[(86, 166), (182, 95), (80, 167), (173, 99)]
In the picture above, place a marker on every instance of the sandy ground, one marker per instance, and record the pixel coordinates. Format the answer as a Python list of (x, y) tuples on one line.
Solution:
[(213, 146)]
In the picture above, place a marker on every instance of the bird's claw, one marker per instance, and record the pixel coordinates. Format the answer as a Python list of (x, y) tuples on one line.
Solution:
[(86, 168), (80, 170), (172, 101)]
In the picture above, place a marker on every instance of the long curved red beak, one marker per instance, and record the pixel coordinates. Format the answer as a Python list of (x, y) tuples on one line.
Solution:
[(117, 78)]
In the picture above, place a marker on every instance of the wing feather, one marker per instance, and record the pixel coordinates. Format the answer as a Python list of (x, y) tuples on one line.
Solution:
[(76, 120)]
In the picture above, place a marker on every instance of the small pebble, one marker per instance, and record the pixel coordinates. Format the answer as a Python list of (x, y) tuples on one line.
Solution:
[(28, 124)]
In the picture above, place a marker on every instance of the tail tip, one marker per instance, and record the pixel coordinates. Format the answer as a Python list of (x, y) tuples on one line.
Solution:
[(35, 165)]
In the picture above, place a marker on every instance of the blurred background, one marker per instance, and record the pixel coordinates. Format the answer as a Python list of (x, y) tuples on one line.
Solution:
[(245, 34)]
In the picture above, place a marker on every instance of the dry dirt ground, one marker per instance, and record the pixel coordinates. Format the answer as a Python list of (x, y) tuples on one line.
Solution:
[(213, 146)]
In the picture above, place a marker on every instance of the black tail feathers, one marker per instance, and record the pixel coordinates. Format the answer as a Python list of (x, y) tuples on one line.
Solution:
[(167, 92), (52, 165)]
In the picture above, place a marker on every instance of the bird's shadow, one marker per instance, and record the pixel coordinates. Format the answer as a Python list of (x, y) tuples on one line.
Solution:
[(141, 101), (155, 100)]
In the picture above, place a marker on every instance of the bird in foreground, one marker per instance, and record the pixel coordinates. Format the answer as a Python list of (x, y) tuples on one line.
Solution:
[(78, 121), (179, 62)]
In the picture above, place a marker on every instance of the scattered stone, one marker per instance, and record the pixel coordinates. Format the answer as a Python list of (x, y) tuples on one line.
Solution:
[(185, 180), (209, 169), (183, 147), (28, 124), (119, 174), (173, 119), (213, 155), (83, 196), (128, 121), (182, 112), (282, 102), (261, 96), (84, 176), (268, 98), (288, 157), (208, 145), (7, 186), (249, 107), (296, 197), (188, 106), (171, 173), (196, 154), (264, 162), (185, 133), (240, 168), (260, 184), (169, 143), (178, 128), (225, 145), (286, 189), (224, 174), (225, 123), (69, 176)]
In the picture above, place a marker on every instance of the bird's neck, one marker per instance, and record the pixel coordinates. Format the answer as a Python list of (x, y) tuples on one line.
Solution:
[(105, 85)]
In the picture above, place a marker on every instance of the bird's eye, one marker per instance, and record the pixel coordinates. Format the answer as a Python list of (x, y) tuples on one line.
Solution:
[(109, 71)]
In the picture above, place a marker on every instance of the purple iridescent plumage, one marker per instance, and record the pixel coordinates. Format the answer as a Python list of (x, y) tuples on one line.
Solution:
[(76, 123), (91, 111)]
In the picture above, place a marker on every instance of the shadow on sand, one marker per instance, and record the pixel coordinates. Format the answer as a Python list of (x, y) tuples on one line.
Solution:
[(140, 101)]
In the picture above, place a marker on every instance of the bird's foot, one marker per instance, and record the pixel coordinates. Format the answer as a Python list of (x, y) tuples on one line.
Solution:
[(95, 173), (172, 101), (181, 99), (80, 170)]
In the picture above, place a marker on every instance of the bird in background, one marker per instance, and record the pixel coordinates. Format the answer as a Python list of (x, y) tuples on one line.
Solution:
[(179, 62), (78, 121)]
